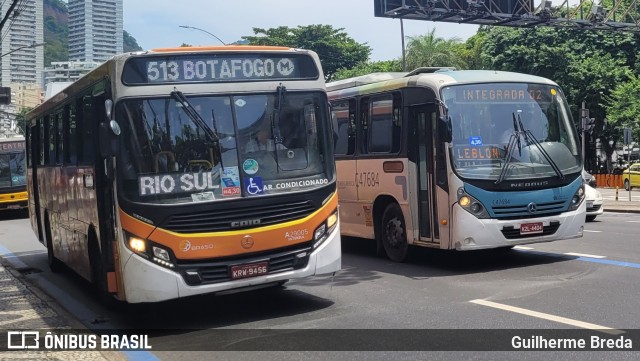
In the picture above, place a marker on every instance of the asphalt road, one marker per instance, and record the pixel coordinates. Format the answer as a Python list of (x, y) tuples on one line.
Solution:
[(572, 284)]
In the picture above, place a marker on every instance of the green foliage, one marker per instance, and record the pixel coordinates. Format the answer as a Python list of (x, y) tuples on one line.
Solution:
[(129, 43), (368, 68), (623, 106), (429, 50), (334, 47), (21, 119)]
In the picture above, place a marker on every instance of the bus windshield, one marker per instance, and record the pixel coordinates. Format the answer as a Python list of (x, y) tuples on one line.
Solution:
[(262, 144), (12, 169), (486, 118)]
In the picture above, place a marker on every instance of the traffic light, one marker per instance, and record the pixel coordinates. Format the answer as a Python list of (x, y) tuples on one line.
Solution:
[(5, 95), (588, 124)]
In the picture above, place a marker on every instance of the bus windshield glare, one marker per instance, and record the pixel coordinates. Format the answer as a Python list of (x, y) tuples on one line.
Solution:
[(263, 144), (485, 118)]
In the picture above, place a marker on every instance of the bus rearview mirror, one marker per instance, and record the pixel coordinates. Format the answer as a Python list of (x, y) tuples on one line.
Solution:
[(108, 138), (444, 129)]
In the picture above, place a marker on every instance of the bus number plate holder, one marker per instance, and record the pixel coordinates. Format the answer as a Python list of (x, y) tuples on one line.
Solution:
[(249, 270), (531, 228)]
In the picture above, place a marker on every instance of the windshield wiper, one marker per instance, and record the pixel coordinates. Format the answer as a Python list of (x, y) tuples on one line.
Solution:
[(514, 140), (196, 118), (277, 111), (531, 139), (518, 131), (275, 120)]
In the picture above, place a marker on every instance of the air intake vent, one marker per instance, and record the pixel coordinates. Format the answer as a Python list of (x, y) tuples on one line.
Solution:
[(221, 220)]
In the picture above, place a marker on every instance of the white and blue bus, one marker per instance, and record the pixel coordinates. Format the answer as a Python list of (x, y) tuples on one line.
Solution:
[(459, 160)]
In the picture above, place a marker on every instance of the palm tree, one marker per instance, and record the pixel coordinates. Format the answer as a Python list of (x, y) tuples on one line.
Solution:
[(429, 50)]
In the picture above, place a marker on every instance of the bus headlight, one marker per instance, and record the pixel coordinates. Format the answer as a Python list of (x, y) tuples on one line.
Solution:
[(577, 198), (324, 230), (471, 205), (151, 251)]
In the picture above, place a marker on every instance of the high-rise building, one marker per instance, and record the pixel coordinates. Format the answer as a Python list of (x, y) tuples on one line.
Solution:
[(22, 53), (95, 29)]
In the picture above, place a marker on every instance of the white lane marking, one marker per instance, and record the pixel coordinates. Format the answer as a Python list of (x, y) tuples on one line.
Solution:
[(632, 221), (590, 231), (523, 248), (546, 316), (584, 255)]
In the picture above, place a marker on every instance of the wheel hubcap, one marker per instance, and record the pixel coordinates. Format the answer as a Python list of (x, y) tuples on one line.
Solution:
[(395, 232)]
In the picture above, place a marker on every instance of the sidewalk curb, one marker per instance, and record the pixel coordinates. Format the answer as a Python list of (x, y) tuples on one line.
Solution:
[(72, 322)]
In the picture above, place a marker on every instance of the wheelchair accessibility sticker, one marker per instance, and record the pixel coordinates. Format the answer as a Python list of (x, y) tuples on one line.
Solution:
[(253, 185)]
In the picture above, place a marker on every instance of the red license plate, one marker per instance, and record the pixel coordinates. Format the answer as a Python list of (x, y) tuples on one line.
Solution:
[(531, 228), (249, 270)]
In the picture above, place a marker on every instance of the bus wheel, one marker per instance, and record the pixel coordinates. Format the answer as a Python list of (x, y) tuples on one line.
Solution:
[(394, 235), (55, 264), (627, 186)]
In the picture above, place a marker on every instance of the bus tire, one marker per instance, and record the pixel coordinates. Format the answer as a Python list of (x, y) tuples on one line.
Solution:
[(55, 265), (591, 218), (394, 234)]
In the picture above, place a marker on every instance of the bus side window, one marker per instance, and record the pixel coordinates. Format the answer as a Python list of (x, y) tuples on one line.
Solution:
[(344, 114), (52, 121), (41, 141), (60, 137), (364, 125), (381, 124), (86, 128), (71, 149)]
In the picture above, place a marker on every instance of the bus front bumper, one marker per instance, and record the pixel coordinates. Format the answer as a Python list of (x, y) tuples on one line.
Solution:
[(471, 233), (145, 281)]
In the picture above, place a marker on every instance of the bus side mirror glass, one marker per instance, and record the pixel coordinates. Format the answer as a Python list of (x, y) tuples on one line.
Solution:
[(444, 129), (109, 138)]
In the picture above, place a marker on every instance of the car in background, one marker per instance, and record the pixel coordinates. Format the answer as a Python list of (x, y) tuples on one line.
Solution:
[(594, 200), (631, 176)]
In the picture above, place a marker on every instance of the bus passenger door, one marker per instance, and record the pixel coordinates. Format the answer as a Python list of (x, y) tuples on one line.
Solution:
[(423, 116)]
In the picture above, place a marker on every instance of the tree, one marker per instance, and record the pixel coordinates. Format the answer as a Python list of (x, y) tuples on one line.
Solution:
[(429, 50), (21, 119), (623, 106), (334, 47), (129, 43), (367, 68)]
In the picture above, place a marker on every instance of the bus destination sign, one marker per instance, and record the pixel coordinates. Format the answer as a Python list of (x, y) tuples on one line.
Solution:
[(504, 93), (186, 68), (11, 146), (483, 152)]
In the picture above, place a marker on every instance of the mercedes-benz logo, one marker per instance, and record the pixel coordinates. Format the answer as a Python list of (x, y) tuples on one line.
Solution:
[(532, 207), (246, 242)]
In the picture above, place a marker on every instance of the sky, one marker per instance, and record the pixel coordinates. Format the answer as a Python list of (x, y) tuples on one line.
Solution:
[(155, 24)]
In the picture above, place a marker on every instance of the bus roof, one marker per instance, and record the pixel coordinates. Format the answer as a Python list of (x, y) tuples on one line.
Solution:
[(434, 77), (222, 48)]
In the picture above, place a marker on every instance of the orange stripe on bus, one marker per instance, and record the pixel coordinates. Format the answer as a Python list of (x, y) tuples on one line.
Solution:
[(220, 48), (221, 244), (135, 226)]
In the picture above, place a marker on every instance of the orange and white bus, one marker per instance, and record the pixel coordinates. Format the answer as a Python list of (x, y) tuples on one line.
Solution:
[(184, 171), (460, 160), (13, 171)]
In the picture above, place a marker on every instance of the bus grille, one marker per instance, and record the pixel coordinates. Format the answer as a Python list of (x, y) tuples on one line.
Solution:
[(220, 220), (511, 232), (522, 211), (220, 271)]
